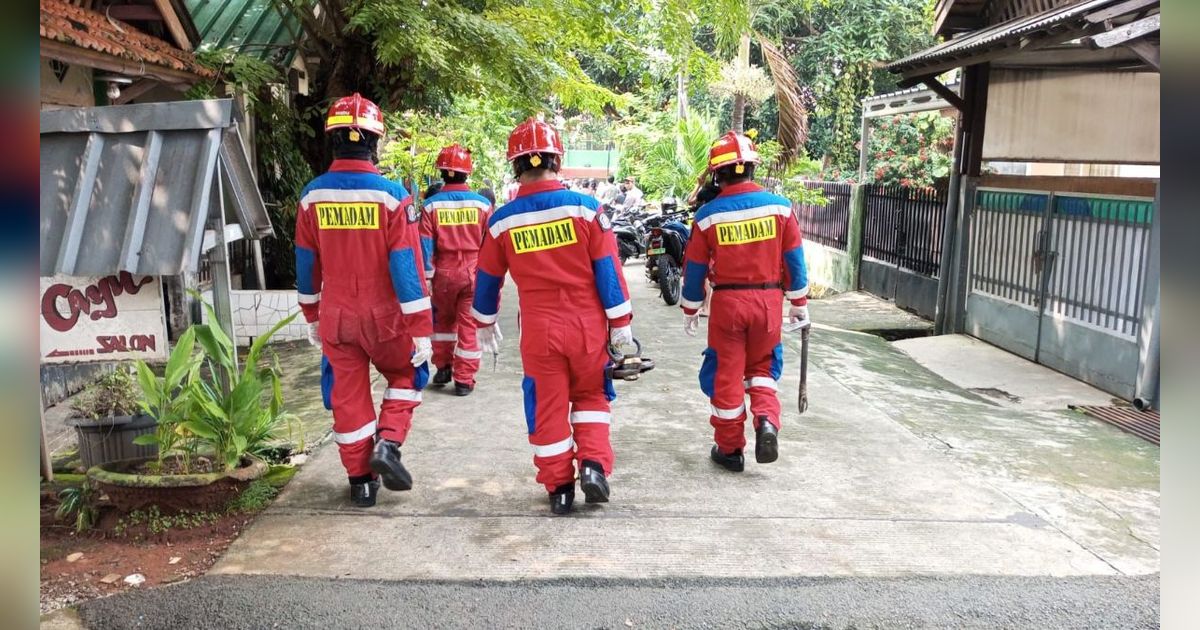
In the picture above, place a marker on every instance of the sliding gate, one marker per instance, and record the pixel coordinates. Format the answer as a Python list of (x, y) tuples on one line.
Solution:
[(1058, 278)]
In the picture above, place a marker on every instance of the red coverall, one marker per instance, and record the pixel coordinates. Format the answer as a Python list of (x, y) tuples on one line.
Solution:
[(749, 242), (559, 248), (452, 227), (358, 272)]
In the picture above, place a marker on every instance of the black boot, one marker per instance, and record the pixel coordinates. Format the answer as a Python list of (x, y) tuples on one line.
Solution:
[(462, 389), (766, 441), (363, 491), (442, 377), (733, 461), (592, 482), (385, 461), (562, 498)]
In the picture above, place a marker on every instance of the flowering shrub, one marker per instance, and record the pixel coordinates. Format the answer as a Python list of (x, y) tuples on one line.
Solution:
[(911, 150)]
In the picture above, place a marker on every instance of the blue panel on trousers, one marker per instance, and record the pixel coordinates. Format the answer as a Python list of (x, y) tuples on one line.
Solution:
[(530, 389), (708, 371)]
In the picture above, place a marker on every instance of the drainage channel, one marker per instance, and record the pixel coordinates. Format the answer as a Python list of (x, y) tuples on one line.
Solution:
[(898, 334)]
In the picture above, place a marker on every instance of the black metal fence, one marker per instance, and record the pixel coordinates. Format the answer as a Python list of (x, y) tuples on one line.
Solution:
[(827, 224), (903, 226)]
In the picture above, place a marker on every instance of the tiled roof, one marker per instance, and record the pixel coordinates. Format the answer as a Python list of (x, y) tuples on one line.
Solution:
[(70, 24)]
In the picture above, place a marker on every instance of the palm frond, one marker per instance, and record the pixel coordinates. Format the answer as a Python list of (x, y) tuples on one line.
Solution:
[(793, 115)]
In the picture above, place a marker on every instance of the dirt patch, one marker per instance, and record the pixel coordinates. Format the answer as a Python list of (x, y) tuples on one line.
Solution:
[(174, 466), (74, 566)]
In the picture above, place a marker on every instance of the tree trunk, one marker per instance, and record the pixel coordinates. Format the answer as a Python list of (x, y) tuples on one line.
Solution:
[(681, 94), (739, 113), (739, 100)]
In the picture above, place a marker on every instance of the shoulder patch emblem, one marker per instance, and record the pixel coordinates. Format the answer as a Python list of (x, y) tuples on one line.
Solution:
[(605, 222), (413, 212)]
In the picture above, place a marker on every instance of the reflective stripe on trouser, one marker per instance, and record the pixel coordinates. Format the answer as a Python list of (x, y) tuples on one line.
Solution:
[(454, 337), (352, 340), (567, 408), (743, 338)]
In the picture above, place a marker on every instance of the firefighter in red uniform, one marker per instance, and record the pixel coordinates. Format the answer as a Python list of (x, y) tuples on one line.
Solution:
[(747, 241), (558, 246), (452, 226), (359, 276)]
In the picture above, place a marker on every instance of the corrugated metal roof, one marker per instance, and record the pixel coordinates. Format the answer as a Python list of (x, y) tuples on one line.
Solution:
[(1001, 34), (253, 27), (131, 187)]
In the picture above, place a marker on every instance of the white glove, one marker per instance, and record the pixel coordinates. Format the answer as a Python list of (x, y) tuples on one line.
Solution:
[(620, 337), (691, 323), (490, 338), (798, 315), (422, 350), (314, 334)]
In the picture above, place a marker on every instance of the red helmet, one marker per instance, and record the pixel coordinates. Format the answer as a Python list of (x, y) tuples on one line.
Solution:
[(731, 148), (454, 158), (355, 112), (533, 136)]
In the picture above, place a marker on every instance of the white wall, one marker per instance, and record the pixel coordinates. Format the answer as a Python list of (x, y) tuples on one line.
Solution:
[(255, 312)]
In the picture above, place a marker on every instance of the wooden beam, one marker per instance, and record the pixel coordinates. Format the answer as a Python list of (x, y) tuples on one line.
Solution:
[(946, 93), (1117, 10), (1147, 51), (138, 88), (87, 57), (1131, 31), (975, 93), (174, 25), (134, 12)]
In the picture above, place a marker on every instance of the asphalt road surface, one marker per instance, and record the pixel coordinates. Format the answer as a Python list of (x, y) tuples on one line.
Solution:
[(927, 602)]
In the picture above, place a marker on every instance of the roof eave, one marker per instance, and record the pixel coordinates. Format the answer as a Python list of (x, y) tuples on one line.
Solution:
[(70, 53)]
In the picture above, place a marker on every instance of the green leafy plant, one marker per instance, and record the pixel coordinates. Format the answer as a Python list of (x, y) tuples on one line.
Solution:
[(113, 394), (158, 523), (167, 398), (911, 150), (254, 497), (229, 418), (81, 502), (203, 404)]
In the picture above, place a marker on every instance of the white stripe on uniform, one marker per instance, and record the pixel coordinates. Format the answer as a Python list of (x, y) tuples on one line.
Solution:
[(761, 381), (365, 431), (414, 306), (305, 298), (624, 308), (334, 195), (599, 417), (540, 216), (742, 215), (550, 450), (468, 354), (395, 393), (729, 414)]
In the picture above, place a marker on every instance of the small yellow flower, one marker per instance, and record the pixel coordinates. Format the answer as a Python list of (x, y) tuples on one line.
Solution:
[(752, 133)]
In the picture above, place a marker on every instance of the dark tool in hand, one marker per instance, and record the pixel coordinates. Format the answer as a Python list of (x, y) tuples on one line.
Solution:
[(804, 367), (627, 367)]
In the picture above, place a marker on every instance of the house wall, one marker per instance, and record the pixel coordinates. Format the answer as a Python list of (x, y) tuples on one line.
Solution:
[(1033, 115), (255, 312), (74, 89)]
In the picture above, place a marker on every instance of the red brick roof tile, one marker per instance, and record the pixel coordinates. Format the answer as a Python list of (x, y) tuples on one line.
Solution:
[(70, 24)]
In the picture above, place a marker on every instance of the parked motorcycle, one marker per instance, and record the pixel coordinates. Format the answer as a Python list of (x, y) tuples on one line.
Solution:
[(666, 241), (630, 234)]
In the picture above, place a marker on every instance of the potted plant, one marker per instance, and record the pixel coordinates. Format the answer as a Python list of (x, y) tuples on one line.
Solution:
[(211, 422), (108, 420)]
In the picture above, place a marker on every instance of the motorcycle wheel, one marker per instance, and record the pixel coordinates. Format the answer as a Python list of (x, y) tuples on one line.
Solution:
[(669, 280), (625, 251)]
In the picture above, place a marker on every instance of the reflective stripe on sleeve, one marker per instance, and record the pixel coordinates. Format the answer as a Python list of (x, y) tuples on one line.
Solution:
[(599, 417), (550, 450), (445, 337), (414, 306), (798, 293), (691, 303), (365, 431), (622, 309), (304, 298), (486, 319)]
